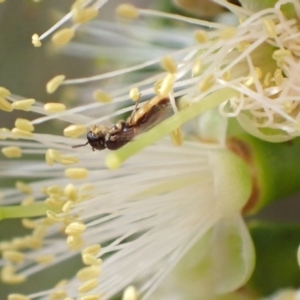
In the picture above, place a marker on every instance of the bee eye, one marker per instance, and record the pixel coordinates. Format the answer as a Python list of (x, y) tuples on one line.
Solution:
[(96, 142)]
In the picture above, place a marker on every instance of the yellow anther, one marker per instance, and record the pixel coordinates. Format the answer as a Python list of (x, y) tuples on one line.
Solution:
[(39, 231), (70, 191), (27, 201), (76, 173), (197, 67), (201, 36), (28, 223), (23, 104), (207, 83), (177, 137), (68, 160), (127, 11), (24, 124), (91, 297), (267, 79), (5, 131), (63, 36), (21, 133), (227, 76), (58, 295), (67, 206), (17, 297), (13, 256), (90, 260), (33, 242), (228, 33), (243, 45), (270, 27), (54, 190), (84, 15), (54, 202), (4, 92), (75, 131), (52, 107), (169, 64), (130, 293), (281, 54), (134, 94), (44, 259), (74, 242), (23, 187), (92, 250), (35, 39), (8, 275), (54, 217), (101, 96), (75, 228), (54, 83), (62, 283), (11, 152), (167, 85), (88, 285), (5, 105), (278, 77), (88, 273)]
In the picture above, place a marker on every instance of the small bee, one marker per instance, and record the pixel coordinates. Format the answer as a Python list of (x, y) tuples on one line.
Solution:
[(141, 119)]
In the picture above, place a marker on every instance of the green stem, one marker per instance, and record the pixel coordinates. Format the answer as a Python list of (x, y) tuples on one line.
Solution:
[(115, 159), (34, 210)]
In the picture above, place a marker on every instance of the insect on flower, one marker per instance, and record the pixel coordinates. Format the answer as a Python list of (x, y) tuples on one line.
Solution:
[(141, 119)]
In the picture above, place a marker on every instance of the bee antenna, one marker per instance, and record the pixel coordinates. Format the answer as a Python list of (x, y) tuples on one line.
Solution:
[(82, 145)]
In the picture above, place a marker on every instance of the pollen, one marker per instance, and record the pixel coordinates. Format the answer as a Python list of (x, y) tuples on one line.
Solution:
[(24, 124), (88, 285), (90, 260), (76, 173), (75, 131), (270, 27), (207, 83), (35, 39), (54, 83), (17, 297), (21, 133), (92, 250), (23, 187), (5, 105), (127, 11), (201, 36), (75, 228), (88, 273), (12, 152), (53, 107), (4, 92), (63, 36), (13, 256), (134, 94), (101, 96), (130, 293), (84, 15), (169, 64), (23, 104)]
